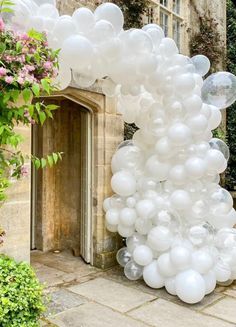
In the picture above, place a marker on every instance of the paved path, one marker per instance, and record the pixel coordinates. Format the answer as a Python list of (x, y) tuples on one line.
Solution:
[(83, 296)]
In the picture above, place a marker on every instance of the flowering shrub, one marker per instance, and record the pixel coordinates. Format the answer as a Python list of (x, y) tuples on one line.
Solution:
[(27, 67)]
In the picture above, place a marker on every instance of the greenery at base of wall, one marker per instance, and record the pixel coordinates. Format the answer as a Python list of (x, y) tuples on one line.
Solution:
[(231, 112), (21, 295)]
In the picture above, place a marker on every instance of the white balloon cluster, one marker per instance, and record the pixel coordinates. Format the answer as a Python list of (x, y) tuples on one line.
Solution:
[(177, 220)]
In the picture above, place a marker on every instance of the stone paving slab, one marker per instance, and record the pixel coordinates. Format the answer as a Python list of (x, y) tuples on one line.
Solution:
[(224, 309), (94, 315), (164, 313), (62, 300), (112, 294)]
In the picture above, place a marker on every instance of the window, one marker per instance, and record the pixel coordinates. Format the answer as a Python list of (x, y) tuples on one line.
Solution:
[(176, 32), (164, 3), (150, 15), (164, 20), (176, 6)]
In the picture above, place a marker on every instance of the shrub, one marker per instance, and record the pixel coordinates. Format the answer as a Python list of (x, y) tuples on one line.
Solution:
[(21, 295)]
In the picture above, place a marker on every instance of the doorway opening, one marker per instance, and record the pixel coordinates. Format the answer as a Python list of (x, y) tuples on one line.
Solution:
[(61, 195)]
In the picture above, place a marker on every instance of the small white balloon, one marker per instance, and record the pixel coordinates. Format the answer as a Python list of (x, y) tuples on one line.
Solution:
[(142, 255), (152, 276)]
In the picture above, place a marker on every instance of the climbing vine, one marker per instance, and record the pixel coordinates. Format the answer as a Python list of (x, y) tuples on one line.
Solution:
[(207, 41), (231, 112)]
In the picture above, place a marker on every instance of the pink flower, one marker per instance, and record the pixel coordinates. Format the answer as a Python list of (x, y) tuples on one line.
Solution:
[(9, 79), (26, 114), (24, 171), (2, 25), (20, 80), (3, 71), (24, 37), (30, 68), (48, 65)]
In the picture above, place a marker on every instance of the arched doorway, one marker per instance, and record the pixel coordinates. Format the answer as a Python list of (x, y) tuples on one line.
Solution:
[(61, 197)]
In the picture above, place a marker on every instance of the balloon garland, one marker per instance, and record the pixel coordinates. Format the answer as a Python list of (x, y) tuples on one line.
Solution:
[(168, 204)]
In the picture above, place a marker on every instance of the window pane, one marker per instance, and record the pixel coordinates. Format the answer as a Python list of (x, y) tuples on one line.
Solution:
[(176, 32), (176, 6), (164, 18), (164, 2)]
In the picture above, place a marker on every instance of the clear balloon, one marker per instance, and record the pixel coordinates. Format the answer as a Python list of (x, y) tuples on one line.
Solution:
[(133, 271), (123, 256), (219, 90)]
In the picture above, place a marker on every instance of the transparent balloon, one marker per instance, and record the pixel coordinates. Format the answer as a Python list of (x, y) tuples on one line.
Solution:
[(133, 271), (219, 90), (123, 256)]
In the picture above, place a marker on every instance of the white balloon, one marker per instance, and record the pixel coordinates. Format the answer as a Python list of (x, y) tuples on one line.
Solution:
[(84, 20), (180, 257), (170, 286), (123, 183), (143, 255), (202, 261), (202, 64), (180, 200), (210, 281), (160, 238), (146, 208), (166, 266), (190, 286), (48, 10), (111, 13), (128, 217), (179, 134), (152, 276), (77, 49)]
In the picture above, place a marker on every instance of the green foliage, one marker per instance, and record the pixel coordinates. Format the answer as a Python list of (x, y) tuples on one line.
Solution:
[(207, 41), (27, 69), (6, 6), (21, 295), (133, 11), (231, 112)]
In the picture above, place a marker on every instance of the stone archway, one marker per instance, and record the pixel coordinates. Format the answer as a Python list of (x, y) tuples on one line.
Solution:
[(75, 219)]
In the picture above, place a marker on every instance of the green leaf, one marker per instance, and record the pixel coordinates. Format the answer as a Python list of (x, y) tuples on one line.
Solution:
[(45, 85), (15, 95), (43, 162), (52, 107), (36, 35), (26, 95), (36, 90), (2, 129), (2, 47), (18, 46), (31, 110), (42, 117), (50, 160), (37, 163), (7, 10), (55, 157)]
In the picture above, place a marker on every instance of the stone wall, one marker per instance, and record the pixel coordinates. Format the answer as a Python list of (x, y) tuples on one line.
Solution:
[(15, 213)]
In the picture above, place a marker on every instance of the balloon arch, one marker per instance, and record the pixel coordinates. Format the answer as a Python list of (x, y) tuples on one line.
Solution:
[(168, 204)]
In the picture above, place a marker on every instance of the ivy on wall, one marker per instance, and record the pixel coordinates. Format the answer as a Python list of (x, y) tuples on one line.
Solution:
[(133, 11), (231, 112), (207, 41)]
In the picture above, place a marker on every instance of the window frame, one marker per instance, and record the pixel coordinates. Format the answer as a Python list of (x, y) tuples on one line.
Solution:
[(172, 15)]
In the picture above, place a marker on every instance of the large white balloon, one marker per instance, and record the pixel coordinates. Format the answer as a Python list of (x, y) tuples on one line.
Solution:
[(123, 183), (190, 286), (111, 13), (77, 48)]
